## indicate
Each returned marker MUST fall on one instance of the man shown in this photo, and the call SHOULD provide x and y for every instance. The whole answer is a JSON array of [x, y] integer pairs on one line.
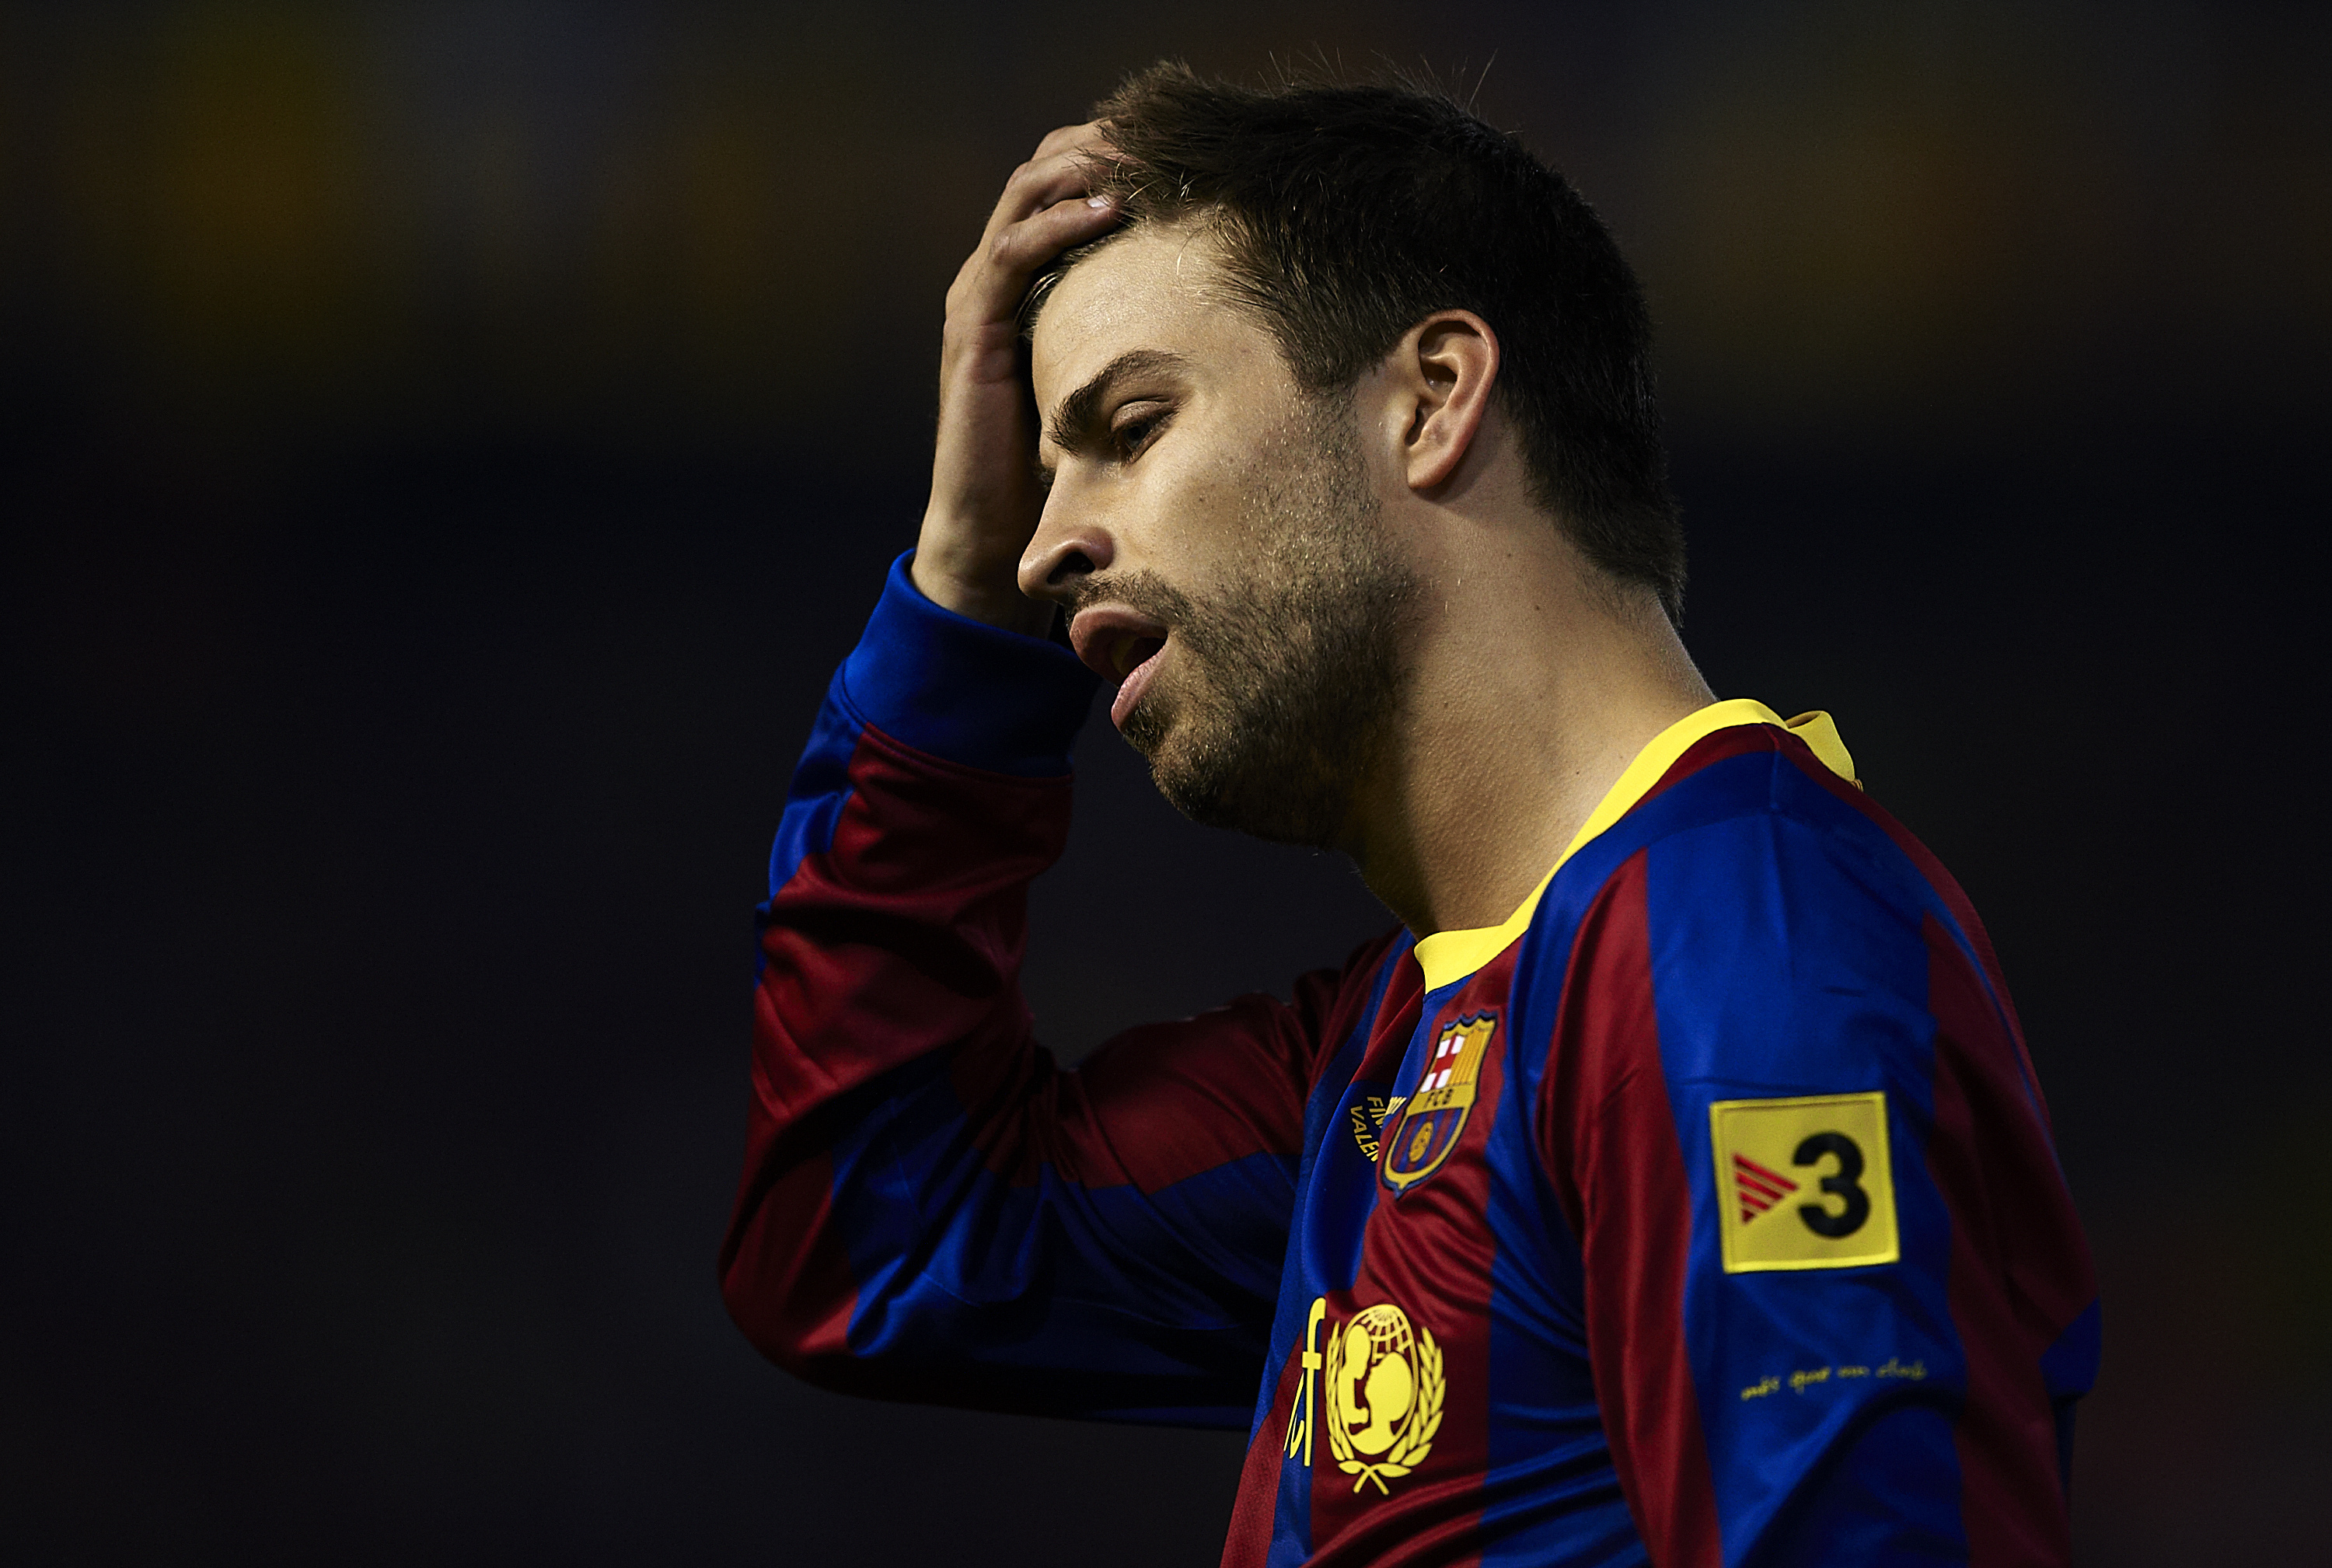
[[1672, 1186]]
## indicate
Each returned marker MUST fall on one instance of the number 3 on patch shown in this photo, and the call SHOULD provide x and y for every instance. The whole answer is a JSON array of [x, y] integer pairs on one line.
[[1804, 1184]]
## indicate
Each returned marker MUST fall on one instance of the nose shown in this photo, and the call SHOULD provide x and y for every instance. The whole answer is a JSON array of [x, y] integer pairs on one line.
[[1063, 552]]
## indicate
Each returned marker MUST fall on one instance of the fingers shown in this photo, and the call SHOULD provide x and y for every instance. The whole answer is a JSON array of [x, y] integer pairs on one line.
[[1019, 251], [1058, 170], [994, 278], [1082, 145], [1044, 180], [1043, 211], [1070, 136]]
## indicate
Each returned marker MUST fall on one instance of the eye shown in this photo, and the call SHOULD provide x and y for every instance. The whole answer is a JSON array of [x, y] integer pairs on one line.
[[1135, 426]]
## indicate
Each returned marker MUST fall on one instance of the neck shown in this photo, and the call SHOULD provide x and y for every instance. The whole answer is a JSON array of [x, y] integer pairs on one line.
[[1531, 691]]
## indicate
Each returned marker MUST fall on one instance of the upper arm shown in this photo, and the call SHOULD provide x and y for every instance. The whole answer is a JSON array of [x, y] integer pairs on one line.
[[1751, 1142], [1106, 1241]]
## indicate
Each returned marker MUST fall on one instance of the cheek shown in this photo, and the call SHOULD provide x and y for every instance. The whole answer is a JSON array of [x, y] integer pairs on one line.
[[1199, 511]]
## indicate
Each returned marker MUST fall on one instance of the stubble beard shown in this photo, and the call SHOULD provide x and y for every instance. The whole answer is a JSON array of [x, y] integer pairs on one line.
[[1286, 687]]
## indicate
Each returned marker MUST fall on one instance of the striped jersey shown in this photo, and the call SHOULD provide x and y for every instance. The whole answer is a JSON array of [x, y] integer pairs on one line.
[[1705, 1212]]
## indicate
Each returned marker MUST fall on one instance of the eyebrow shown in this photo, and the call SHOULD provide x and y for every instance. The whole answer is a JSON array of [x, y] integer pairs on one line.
[[1072, 423]]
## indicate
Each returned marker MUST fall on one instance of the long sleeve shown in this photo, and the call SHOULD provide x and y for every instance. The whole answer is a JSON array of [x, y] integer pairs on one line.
[[930, 1208], [1837, 1302]]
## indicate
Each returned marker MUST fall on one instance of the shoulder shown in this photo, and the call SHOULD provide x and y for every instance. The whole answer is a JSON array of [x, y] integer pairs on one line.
[[1778, 928], [1750, 833]]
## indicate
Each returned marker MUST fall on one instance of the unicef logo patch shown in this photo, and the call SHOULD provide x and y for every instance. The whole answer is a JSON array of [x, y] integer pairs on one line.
[[1383, 1394]]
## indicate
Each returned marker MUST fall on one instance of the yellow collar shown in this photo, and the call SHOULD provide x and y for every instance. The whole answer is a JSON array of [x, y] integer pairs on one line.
[[1448, 956]]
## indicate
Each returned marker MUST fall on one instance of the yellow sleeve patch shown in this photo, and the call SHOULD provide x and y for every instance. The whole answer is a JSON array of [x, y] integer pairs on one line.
[[1804, 1184]]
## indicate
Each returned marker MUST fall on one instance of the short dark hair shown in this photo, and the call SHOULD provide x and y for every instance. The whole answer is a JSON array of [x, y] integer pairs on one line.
[[1349, 212]]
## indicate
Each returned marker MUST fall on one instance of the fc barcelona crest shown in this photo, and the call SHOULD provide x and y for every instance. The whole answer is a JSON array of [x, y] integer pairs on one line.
[[1427, 1123]]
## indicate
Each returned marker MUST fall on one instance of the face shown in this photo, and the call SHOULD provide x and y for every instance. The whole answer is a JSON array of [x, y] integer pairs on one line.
[[1215, 534]]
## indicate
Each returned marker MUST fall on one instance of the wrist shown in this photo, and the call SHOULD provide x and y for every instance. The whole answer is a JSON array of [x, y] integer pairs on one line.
[[985, 696], [976, 590]]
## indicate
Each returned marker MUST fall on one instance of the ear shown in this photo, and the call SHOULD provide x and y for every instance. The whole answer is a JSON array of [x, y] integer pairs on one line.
[[1443, 368]]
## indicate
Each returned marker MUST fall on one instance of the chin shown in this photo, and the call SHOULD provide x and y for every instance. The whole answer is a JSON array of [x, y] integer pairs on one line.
[[1270, 740], [1235, 787]]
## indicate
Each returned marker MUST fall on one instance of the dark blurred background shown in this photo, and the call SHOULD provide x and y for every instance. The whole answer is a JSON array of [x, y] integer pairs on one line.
[[444, 447]]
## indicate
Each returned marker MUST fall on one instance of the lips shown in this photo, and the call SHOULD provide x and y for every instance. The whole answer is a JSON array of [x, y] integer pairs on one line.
[[1121, 646]]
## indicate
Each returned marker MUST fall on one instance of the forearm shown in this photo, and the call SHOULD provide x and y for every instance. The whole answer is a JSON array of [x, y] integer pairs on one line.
[[935, 786]]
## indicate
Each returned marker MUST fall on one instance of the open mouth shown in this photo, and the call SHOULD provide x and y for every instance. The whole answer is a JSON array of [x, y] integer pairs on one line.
[[1121, 646], [1132, 653], [1114, 641], [1138, 658]]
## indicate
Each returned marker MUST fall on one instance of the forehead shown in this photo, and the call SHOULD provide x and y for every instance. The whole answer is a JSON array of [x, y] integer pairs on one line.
[[1158, 287]]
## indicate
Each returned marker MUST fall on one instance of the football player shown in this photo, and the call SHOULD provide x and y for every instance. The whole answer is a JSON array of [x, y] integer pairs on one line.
[[1671, 1185]]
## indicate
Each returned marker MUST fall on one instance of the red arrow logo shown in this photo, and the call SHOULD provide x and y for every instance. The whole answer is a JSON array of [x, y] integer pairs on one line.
[[1759, 1187]]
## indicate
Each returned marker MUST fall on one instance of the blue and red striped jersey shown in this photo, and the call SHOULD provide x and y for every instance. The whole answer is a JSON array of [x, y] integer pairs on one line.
[[1706, 1212]]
